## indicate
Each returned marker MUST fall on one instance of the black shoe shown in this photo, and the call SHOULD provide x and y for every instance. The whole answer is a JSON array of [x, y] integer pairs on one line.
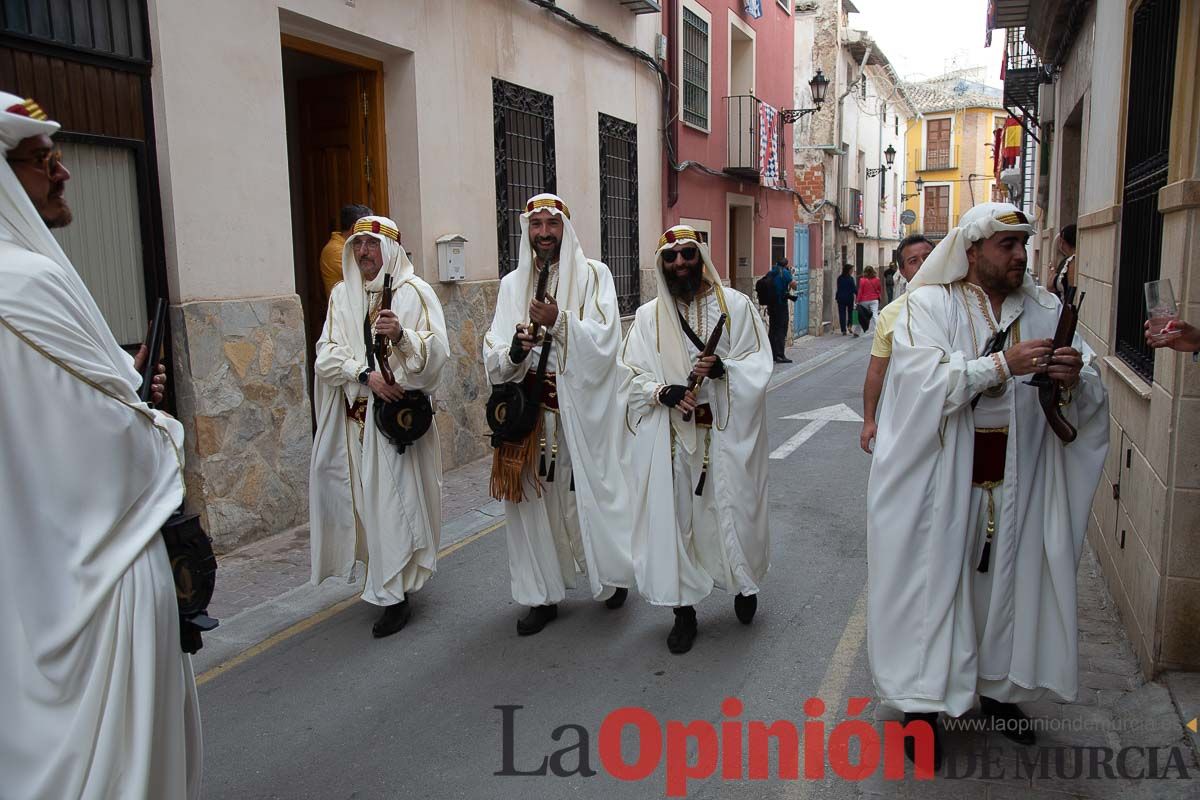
[[778, 359], [683, 632], [744, 605], [536, 619], [392, 619], [1009, 721], [784, 360], [618, 599], [910, 744]]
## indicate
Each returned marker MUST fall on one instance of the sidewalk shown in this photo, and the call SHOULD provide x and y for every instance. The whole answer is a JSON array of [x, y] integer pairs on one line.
[[263, 588]]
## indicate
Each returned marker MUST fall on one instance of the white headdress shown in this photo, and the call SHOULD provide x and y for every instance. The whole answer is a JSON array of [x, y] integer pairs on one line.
[[672, 348], [948, 261], [21, 224], [351, 311]]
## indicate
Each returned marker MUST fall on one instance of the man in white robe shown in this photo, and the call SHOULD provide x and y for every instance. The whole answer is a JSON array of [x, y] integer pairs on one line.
[[700, 503], [97, 698], [976, 514], [574, 518], [367, 500]]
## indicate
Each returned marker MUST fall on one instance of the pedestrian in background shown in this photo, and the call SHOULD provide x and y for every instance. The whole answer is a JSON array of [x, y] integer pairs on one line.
[[1064, 273], [847, 288], [782, 285], [869, 292]]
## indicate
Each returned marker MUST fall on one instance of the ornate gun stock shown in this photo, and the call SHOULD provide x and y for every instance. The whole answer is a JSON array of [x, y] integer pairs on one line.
[[381, 344], [710, 347], [1049, 390]]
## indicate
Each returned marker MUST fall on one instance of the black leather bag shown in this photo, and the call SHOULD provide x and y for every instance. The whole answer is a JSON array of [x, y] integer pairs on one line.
[[406, 420], [512, 412], [194, 568]]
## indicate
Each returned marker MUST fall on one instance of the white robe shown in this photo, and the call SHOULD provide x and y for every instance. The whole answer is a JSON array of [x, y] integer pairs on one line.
[[96, 697], [556, 535], [931, 647], [683, 545], [368, 502]]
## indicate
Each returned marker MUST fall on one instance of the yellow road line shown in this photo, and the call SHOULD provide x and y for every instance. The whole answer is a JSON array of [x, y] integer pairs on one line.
[[833, 686], [320, 616]]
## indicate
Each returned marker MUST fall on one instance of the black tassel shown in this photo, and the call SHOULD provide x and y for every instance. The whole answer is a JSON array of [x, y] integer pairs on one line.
[[700, 485], [986, 557], [572, 481], [542, 465], [550, 473]]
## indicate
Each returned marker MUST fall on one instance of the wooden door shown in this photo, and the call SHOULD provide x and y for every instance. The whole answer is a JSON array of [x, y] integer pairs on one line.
[[340, 145], [937, 210]]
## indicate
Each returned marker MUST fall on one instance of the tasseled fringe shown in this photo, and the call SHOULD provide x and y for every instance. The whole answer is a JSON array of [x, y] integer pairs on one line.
[[991, 530], [704, 468], [572, 481], [541, 456], [509, 463], [553, 460]]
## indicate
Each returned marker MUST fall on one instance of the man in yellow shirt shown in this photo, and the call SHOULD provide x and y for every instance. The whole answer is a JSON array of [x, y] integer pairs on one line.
[[912, 253], [331, 253]]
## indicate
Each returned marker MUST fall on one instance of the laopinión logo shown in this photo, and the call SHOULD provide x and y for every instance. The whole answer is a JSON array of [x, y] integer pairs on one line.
[[853, 750]]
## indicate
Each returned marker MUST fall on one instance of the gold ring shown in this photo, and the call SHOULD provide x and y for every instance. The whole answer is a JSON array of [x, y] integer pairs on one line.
[[1037, 361]]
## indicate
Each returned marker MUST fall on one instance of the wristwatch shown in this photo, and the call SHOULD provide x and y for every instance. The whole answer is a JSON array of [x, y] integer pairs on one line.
[[363, 376]]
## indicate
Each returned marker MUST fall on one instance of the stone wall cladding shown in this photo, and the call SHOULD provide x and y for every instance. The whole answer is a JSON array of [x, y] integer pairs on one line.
[[241, 393], [463, 393]]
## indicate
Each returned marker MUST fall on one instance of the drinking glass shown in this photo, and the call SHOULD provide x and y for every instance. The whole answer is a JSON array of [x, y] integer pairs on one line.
[[1160, 307]]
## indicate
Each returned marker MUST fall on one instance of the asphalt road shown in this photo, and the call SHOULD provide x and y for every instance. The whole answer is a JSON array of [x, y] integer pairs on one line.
[[332, 713]]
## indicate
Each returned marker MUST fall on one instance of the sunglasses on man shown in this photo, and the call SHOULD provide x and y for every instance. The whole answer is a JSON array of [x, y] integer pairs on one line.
[[688, 254]]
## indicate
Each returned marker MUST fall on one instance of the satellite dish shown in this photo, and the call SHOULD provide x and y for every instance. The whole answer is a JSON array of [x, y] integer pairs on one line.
[[908, 217]]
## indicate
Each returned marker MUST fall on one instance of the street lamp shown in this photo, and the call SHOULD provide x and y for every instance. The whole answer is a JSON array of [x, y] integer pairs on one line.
[[817, 86], [889, 158], [920, 185]]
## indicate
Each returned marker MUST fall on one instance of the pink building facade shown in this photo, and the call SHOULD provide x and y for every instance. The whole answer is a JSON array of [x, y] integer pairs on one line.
[[732, 74]]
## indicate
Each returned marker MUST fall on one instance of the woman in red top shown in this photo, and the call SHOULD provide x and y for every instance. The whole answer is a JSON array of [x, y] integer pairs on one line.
[[869, 292]]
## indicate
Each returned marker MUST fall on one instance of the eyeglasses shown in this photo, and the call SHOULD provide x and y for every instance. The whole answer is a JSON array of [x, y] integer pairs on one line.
[[688, 254], [365, 243], [50, 161]]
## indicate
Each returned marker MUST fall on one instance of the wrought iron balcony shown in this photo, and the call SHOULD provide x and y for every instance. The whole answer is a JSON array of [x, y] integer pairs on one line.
[[1023, 73], [743, 154], [642, 6]]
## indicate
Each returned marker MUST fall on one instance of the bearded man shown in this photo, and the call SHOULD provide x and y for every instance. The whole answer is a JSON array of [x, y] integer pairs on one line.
[[368, 500], [701, 483], [98, 698], [571, 514], [976, 510]]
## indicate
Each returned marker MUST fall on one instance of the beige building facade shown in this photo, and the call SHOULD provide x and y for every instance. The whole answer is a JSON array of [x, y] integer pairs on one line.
[[468, 107], [1120, 125]]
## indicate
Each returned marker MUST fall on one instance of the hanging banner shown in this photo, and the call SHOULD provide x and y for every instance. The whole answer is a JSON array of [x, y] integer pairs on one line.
[[754, 8], [768, 145]]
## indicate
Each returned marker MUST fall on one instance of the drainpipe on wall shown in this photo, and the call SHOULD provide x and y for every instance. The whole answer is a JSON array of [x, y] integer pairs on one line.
[[672, 120]]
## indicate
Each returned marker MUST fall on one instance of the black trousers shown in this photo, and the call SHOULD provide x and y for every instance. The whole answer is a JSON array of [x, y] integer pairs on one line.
[[777, 322], [844, 314]]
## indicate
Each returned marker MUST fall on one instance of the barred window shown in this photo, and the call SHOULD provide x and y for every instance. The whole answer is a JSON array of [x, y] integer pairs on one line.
[[695, 69], [523, 136], [619, 208]]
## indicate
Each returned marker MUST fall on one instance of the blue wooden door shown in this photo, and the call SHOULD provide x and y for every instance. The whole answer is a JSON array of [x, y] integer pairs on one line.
[[800, 272]]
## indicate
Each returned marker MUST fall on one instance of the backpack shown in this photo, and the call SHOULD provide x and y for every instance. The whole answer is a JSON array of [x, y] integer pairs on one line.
[[765, 290]]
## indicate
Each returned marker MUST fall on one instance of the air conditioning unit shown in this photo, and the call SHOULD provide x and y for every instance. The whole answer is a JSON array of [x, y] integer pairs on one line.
[[850, 204]]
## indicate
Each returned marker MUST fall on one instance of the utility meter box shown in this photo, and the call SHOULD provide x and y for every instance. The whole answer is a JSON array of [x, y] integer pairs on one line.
[[452, 258]]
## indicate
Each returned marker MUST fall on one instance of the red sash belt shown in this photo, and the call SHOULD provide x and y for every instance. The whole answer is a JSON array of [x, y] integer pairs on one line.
[[549, 389], [704, 416], [991, 444], [357, 410]]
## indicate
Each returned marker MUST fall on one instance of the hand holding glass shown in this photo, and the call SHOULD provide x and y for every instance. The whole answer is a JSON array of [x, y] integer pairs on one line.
[[1160, 309]]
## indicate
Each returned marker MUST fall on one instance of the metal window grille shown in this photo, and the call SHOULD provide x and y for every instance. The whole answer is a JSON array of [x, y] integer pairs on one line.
[[115, 28], [1147, 141], [523, 135], [619, 209], [695, 69]]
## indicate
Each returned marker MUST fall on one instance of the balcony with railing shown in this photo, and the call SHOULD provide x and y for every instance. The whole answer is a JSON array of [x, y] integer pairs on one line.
[[937, 157], [1022, 73], [745, 139]]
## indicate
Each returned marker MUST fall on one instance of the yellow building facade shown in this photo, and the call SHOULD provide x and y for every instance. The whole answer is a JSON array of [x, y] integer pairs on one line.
[[949, 148]]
